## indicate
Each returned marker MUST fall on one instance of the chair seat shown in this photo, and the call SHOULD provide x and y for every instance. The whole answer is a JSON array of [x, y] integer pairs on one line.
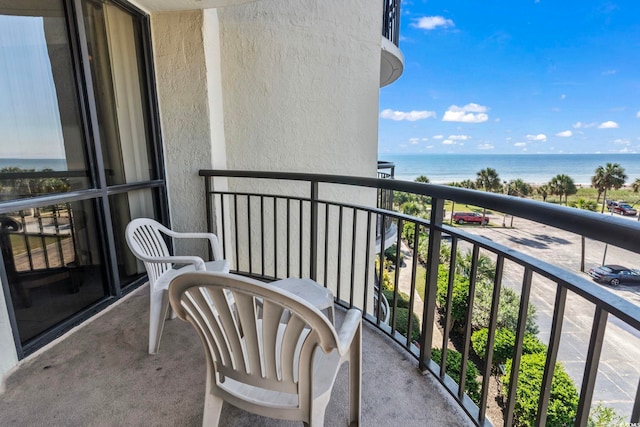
[[220, 266], [307, 289]]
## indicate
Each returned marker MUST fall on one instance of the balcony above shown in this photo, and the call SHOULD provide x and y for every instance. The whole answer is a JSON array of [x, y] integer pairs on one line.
[[391, 58], [391, 63]]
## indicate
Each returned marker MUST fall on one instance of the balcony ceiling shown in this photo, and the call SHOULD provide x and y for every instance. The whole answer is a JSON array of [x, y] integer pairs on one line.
[[166, 5]]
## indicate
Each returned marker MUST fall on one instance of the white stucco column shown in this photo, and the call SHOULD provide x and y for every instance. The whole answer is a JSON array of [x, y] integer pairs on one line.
[[301, 82]]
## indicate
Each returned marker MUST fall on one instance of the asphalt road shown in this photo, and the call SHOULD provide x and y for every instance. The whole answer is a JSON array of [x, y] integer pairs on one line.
[[618, 373]]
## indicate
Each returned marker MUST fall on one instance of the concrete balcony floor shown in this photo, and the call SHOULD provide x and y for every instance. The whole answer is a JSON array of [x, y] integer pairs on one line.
[[100, 374]]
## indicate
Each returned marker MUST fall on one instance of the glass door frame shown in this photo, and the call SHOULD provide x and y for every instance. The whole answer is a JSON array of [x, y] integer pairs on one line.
[[100, 191]]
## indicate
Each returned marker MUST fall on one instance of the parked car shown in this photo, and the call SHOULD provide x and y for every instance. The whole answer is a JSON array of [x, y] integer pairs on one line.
[[615, 274], [622, 208], [472, 217]]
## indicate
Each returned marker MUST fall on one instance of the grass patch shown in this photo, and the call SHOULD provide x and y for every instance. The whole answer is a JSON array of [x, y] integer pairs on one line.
[[19, 245]]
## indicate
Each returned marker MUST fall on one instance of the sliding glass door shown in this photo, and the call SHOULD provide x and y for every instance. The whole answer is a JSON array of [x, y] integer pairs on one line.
[[79, 157]]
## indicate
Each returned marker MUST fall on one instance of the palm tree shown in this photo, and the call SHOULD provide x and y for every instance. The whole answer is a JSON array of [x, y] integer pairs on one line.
[[563, 185], [543, 191], [422, 178], [488, 180], [518, 187], [635, 185], [610, 176]]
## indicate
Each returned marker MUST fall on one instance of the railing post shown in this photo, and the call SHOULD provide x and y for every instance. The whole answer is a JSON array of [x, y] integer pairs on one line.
[[313, 267], [208, 199], [433, 256]]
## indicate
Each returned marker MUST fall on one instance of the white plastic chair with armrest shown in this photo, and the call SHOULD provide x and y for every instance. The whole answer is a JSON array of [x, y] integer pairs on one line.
[[144, 237], [268, 351]]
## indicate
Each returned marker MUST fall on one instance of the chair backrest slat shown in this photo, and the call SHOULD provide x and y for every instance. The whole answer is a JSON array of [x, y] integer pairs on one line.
[[246, 307], [272, 314], [290, 341]]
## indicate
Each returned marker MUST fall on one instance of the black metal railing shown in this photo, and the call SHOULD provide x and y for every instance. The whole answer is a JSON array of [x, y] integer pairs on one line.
[[391, 20], [303, 227]]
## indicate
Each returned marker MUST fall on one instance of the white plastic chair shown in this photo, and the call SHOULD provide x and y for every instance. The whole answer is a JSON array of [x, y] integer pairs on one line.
[[144, 237], [268, 351]]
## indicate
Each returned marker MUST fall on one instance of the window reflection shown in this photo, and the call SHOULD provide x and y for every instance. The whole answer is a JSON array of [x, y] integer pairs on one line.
[[53, 263], [40, 127]]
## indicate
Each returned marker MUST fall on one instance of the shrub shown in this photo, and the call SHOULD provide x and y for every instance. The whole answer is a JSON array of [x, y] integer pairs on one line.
[[402, 299], [601, 416], [508, 306], [563, 399], [458, 297], [390, 255], [402, 323], [504, 342], [453, 369]]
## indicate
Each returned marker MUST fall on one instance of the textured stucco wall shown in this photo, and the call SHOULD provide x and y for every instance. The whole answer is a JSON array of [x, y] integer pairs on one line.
[[181, 74], [301, 84]]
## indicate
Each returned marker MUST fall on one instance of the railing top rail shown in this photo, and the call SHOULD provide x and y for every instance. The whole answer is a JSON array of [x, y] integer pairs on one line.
[[609, 229]]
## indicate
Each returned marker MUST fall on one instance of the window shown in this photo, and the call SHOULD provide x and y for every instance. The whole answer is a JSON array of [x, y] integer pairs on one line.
[[78, 155]]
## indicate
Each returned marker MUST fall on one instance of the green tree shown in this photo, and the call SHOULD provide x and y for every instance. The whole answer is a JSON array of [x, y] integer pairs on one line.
[[543, 191], [423, 179], [635, 185], [518, 187], [562, 186], [607, 177], [488, 180]]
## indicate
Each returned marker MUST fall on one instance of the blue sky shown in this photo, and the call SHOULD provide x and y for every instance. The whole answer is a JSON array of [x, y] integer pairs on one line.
[[515, 77]]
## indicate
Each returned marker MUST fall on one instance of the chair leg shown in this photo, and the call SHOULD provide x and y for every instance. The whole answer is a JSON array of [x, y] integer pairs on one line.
[[158, 307], [212, 410], [355, 378]]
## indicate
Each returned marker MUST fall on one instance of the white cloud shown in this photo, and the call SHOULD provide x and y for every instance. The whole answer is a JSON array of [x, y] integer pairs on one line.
[[438, 136], [609, 72], [432, 22], [485, 147], [580, 125], [448, 142], [459, 137], [470, 113], [622, 141], [411, 116], [563, 96], [414, 141], [608, 125], [565, 134], [520, 144], [539, 137], [638, 114]]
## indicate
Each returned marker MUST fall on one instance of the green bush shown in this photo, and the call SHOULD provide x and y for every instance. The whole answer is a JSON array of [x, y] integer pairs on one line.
[[504, 342], [402, 323], [453, 369], [458, 297], [602, 416], [563, 399], [508, 306], [402, 299]]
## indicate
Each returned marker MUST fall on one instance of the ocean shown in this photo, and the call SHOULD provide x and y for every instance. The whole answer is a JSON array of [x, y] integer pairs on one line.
[[531, 168], [35, 164]]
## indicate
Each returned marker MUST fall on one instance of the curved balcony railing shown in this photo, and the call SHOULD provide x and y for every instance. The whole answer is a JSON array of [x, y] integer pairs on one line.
[[300, 225], [391, 20]]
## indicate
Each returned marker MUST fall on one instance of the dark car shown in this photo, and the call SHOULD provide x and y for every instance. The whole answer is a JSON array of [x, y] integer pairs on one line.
[[615, 275], [622, 208], [472, 217]]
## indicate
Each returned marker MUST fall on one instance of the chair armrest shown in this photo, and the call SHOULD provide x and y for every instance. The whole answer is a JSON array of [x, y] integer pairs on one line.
[[196, 261], [352, 322], [213, 240]]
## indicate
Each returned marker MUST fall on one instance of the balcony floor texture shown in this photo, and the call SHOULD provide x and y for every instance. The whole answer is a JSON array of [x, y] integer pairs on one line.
[[101, 375]]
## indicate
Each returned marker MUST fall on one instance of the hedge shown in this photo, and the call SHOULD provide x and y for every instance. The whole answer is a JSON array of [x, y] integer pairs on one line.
[[454, 361], [563, 399], [504, 342]]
